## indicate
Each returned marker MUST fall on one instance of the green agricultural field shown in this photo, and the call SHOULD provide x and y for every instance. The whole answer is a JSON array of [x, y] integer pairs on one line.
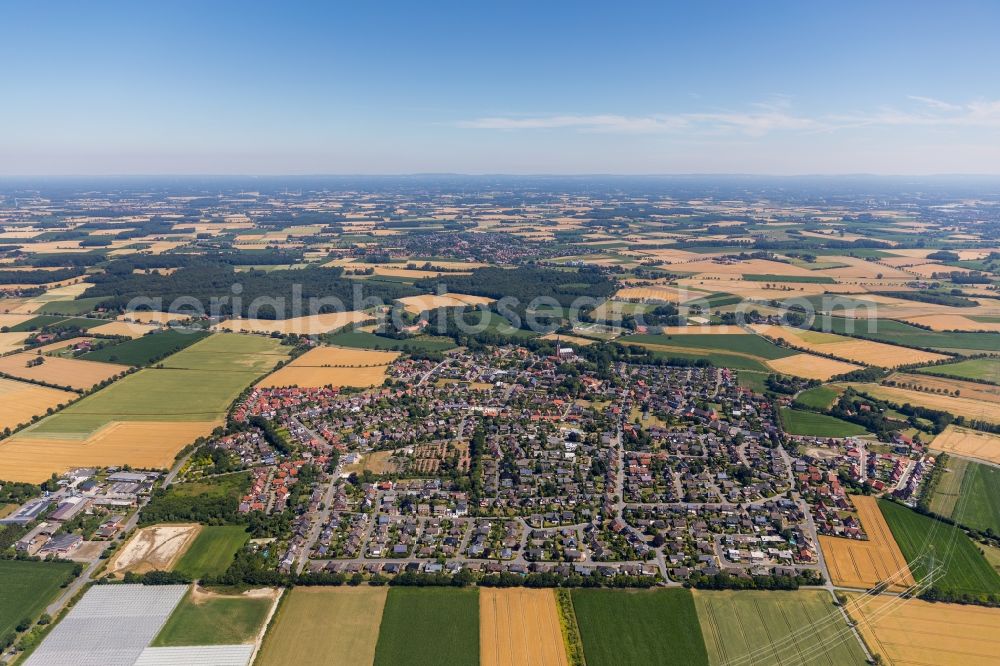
[[196, 384], [819, 397], [818, 279], [966, 571], [214, 620], [775, 628], [37, 323], [364, 340], [969, 494], [717, 300], [888, 330], [752, 345], [949, 487], [755, 381], [212, 551], [78, 307], [27, 588], [141, 351], [300, 632], [639, 627], [984, 369], [717, 359], [484, 321], [230, 352], [799, 422], [430, 626]]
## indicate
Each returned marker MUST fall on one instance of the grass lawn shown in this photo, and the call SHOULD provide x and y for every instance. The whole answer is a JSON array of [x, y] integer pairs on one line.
[[976, 503], [775, 628], [620, 627], [301, 630], [429, 627], [212, 551], [215, 620], [985, 369], [798, 422], [219, 486], [141, 351], [966, 570], [365, 340], [819, 397], [27, 588], [755, 381]]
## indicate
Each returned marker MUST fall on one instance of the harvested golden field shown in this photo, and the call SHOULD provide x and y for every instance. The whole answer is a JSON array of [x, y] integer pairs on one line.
[[970, 443], [20, 401], [915, 632], [760, 290], [149, 317], [344, 356], [952, 322], [334, 366], [928, 270], [7, 319], [968, 407], [668, 256], [652, 293], [519, 626], [858, 268], [973, 390], [143, 444], [156, 548], [418, 304], [70, 372], [325, 625], [864, 564], [569, 339], [853, 349], [306, 377], [748, 267], [126, 329], [392, 270], [810, 367], [11, 341], [308, 325]]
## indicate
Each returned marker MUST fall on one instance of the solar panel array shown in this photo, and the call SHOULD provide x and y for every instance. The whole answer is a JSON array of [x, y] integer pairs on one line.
[[111, 625]]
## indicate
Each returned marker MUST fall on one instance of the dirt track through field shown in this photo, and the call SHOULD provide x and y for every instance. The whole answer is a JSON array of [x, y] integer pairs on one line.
[[519, 627]]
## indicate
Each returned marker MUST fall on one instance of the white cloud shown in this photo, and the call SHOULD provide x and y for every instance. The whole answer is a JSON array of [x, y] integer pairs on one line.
[[763, 118]]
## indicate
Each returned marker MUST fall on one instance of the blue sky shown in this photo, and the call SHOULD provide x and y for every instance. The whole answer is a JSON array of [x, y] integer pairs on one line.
[[711, 86]]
